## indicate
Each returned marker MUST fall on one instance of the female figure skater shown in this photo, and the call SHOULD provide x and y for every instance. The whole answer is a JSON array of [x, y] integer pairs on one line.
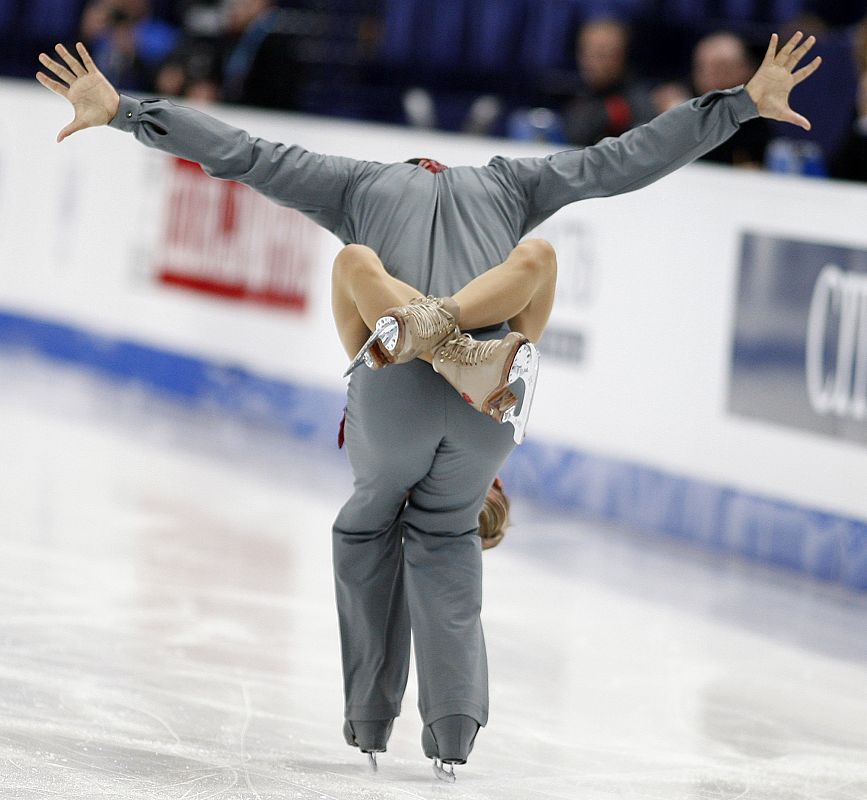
[[415, 564], [520, 292]]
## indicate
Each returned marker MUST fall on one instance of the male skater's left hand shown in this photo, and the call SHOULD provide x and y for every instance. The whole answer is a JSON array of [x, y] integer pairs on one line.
[[775, 78], [93, 98]]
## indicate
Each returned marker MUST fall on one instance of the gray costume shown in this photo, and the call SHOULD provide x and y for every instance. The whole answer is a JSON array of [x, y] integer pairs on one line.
[[406, 553]]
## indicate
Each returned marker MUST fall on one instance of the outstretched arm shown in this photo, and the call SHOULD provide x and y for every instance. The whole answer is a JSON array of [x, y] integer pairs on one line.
[[288, 174], [673, 139]]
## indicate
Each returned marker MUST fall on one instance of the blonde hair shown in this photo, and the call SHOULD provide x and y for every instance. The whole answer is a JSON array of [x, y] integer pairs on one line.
[[494, 516]]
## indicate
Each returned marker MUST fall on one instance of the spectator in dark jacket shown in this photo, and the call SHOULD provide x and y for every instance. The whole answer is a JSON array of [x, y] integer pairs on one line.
[[260, 67], [609, 101], [850, 162], [719, 60], [129, 44]]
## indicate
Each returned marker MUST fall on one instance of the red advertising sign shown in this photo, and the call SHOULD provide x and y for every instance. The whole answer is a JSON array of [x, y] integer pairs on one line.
[[224, 239]]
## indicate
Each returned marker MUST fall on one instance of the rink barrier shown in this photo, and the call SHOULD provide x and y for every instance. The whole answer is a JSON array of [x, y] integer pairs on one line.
[[830, 547], [303, 412]]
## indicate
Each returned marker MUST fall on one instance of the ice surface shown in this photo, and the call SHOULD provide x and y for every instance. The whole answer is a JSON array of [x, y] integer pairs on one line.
[[167, 630]]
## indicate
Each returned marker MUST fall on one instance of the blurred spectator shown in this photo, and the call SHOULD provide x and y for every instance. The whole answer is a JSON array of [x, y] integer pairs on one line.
[[859, 46], [820, 15], [721, 61], [260, 67], [850, 163], [192, 71], [609, 101], [127, 42]]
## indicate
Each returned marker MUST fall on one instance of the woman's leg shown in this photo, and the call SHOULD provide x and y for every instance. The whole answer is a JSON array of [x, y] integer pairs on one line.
[[361, 290], [520, 290]]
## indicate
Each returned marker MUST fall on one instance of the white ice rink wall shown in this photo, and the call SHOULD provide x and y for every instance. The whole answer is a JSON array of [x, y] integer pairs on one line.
[[704, 375]]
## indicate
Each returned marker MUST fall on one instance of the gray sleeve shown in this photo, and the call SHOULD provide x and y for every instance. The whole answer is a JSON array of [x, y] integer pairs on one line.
[[287, 174], [633, 160]]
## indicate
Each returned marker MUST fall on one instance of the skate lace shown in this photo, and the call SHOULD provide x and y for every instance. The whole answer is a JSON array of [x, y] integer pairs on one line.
[[428, 316], [467, 351]]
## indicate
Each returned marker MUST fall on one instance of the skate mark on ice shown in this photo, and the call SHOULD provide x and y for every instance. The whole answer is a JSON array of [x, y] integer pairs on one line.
[[194, 780], [316, 793], [383, 781], [155, 717], [245, 756], [15, 764]]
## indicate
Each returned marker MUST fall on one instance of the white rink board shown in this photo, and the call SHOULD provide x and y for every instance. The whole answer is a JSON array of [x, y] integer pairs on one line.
[[648, 278]]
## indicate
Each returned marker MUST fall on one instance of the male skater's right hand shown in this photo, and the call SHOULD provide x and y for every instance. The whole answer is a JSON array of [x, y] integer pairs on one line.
[[93, 98]]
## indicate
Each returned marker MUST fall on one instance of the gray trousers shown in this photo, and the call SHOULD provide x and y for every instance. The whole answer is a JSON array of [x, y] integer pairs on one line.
[[407, 556]]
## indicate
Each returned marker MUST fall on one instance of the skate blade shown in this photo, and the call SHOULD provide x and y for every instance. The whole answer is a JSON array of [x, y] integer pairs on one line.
[[385, 333], [525, 367], [443, 774], [371, 762], [499, 403]]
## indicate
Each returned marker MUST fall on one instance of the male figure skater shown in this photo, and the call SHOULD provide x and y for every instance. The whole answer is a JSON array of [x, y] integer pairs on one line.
[[415, 564]]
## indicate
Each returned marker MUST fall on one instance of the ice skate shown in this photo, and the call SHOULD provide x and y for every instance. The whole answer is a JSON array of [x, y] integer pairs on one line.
[[405, 332], [369, 736], [483, 372], [449, 741]]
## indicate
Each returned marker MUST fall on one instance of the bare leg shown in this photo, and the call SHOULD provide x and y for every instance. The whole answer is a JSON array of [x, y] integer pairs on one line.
[[361, 290], [520, 290]]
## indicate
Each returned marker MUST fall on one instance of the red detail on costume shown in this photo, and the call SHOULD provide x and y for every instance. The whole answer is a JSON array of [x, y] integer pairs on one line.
[[341, 433], [432, 166], [619, 114], [498, 484], [467, 398]]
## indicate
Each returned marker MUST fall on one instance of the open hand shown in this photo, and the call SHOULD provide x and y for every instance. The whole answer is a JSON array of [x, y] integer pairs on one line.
[[93, 98], [776, 77]]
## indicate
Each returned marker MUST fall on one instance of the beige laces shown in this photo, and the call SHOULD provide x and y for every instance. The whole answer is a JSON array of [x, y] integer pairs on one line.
[[429, 318], [467, 351]]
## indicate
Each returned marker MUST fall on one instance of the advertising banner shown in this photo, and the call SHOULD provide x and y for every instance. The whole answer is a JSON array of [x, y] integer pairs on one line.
[[800, 346], [574, 240], [224, 239]]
